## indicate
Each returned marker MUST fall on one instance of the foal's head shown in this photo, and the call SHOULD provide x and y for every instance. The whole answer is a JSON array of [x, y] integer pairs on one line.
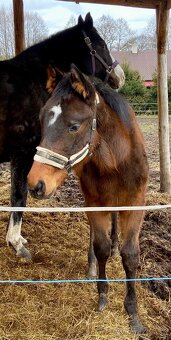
[[67, 129]]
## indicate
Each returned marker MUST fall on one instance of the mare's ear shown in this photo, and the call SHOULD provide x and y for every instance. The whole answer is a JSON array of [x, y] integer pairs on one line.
[[89, 20], [80, 20], [78, 82], [54, 75]]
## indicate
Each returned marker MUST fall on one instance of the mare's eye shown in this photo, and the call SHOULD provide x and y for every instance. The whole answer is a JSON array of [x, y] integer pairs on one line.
[[74, 128]]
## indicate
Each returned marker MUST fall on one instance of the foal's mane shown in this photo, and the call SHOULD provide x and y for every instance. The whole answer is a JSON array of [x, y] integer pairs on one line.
[[115, 100]]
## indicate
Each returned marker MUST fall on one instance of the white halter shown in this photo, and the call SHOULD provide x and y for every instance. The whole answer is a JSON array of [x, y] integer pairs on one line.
[[49, 157]]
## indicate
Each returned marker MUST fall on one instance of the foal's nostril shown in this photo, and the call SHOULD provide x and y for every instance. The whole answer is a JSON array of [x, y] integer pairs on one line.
[[40, 188]]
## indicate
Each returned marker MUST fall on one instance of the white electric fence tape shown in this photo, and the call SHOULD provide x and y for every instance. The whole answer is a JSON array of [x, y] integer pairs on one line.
[[84, 209]]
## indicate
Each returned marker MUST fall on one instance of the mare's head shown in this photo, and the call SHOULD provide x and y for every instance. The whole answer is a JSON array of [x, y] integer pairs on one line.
[[85, 48], [68, 121]]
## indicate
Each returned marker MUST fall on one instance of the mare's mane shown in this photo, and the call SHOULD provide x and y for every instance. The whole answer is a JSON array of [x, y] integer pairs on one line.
[[43, 47], [114, 99]]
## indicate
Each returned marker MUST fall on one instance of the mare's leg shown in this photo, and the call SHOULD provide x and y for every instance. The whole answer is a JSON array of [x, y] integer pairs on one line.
[[130, 223], [19, 170], [92, 261], [100, 223]]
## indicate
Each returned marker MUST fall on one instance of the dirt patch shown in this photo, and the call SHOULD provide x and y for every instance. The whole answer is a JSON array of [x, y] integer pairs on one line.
[[156, 252]]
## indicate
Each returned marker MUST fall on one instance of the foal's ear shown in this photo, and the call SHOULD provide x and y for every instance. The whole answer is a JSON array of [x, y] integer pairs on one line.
[[80, 20], [79, 82], [89, 20], [54, 75]]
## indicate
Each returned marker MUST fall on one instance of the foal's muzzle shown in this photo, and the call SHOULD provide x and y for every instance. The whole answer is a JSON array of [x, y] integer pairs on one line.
[[39, 190]]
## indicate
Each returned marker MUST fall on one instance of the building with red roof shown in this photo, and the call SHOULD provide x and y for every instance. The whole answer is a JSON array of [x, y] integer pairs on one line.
[[145, 62]]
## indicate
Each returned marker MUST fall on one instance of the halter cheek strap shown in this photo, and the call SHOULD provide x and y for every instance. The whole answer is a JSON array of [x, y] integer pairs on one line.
[[94, 54]]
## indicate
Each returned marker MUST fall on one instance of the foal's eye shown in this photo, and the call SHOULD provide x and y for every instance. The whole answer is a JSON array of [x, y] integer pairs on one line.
[[74, 128]]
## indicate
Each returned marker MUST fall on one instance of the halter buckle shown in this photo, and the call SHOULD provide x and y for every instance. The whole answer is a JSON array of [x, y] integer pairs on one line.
[[93, 52], [94, 124], [109, 69], [68, 166], [87, 40]]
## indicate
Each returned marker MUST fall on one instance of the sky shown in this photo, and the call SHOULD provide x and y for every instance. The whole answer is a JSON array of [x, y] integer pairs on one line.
[[57, 13]]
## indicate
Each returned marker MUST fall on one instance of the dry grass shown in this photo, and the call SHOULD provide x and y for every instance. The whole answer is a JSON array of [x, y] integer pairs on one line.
[[67, 311]]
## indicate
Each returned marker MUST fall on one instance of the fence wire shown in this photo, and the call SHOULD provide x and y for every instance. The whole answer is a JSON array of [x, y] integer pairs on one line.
[[83, 209]]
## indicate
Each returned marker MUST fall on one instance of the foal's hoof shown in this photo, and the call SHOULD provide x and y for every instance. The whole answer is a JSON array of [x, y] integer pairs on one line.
[[102, 302], [24, 254], [137, 326]]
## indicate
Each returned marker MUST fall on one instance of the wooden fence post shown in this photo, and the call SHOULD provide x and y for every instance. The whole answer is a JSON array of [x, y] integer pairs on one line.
[[162, 15], [18, 25]]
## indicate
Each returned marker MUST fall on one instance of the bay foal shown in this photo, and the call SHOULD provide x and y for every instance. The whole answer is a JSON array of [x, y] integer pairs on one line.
[[93, 130]]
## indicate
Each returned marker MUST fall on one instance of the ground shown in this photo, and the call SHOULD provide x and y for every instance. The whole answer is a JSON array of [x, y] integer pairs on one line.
[[58, 243]]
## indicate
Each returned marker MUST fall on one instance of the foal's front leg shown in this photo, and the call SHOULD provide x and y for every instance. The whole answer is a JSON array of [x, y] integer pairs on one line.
[[19, 171], [101, 226], [92, 261], [130, 223]]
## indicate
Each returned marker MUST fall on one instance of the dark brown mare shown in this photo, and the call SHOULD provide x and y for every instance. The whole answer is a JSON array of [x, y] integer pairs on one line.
[[23, 91], [93, 130]]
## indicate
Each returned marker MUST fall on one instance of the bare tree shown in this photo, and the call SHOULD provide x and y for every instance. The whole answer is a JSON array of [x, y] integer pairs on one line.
[[35, 31], [147, 40], [116, 33], [71, 22], [141, 41], [106, 27], [150, 33], [6, 33], [124, 35], [35, 28]]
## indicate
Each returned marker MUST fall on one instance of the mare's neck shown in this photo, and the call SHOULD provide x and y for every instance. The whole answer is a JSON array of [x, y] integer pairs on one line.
[[32, 63]]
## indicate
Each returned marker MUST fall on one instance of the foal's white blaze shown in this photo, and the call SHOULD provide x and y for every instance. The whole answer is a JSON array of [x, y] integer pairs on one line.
[[56, 112], [14, 234], [119, 73]]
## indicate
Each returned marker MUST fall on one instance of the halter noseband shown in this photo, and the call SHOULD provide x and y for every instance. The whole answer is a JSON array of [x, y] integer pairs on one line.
[[94, 55], [52, 158], [49, 157]]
